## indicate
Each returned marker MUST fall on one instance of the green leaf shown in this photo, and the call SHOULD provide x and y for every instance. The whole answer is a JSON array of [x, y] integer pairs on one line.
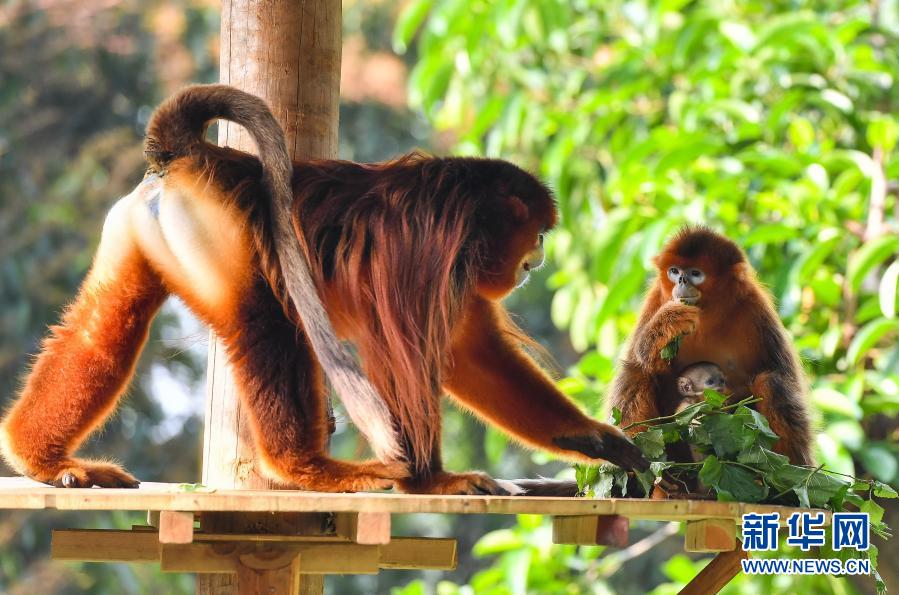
[[819, 486], [763, 458], [882, 490], [408, 22], [883, 133], [646, 480], [713, 398], [710, 473], [889, 289], [867, 257], [603, 486], [740, 485], [669, 351], [727, 434], [651, 442], [874, 510], [616, 416], [868, 336], [685, 416], [880, 461]]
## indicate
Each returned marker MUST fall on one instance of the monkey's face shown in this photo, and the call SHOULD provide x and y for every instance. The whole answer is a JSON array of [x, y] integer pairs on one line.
[[532, 261], [699, 377], [685, 282]]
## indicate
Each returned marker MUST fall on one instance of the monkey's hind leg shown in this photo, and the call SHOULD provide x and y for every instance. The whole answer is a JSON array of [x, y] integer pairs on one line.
[[781, 404], [636, 393], [282, 387], [82, 369]]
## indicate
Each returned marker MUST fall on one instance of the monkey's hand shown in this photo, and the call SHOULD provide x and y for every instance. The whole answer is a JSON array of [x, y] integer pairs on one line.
[[672, 320], [606, 442]]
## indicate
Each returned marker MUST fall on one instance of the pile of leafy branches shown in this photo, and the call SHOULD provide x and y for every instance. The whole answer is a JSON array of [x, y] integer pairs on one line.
[[734, 461]]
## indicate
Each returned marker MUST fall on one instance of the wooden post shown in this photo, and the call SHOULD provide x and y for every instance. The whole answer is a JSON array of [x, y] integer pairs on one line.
[[287, 52]]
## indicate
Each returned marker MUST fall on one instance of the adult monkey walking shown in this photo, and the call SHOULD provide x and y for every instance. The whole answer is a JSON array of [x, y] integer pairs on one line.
[[411, 257]]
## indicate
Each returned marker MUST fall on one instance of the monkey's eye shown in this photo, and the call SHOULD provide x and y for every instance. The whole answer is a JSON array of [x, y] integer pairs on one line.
[[696, 276], [540, 238], [673, 273]]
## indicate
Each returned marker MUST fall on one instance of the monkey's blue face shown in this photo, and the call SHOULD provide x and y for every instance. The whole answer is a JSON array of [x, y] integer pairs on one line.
[[686, 282]]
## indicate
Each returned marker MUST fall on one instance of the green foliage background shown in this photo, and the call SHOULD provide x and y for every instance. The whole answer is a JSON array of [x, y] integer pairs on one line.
[[772, 121]]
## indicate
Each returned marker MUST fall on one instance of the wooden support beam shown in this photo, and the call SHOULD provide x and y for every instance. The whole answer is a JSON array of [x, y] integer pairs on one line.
[[279, 575], [591, 530], [720, 571], [100, 545], [317, 558], [711, 535], [225, 557], [176, 527], [419, 553], [369, 528]]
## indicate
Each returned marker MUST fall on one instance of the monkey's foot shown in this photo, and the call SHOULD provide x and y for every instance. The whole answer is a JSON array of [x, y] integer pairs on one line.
[[81, 473], [329, 475], [465, 484], [606, 442]]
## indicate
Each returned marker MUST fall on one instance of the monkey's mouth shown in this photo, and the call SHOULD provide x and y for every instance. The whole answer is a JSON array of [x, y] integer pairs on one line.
[[690, 301]]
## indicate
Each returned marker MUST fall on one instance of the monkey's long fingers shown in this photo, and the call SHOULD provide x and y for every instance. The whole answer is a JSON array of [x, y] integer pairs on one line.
[[611, 445]]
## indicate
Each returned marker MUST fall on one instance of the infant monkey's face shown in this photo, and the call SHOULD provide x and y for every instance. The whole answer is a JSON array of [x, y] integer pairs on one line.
[[699, 377]]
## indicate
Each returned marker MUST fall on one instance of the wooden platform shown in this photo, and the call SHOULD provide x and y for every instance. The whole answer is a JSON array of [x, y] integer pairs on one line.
[[284, 542], [22, 493]]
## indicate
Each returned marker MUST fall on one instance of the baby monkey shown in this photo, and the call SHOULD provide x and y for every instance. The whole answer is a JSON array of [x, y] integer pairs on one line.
[[695, 378]]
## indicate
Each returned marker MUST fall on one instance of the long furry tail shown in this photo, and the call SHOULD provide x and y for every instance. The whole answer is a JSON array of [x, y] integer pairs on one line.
[[177, 129], [557, 488]]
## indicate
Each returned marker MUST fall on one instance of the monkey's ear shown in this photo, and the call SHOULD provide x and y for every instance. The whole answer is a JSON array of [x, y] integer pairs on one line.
[[685, 386], [517, 209], [743, 272]]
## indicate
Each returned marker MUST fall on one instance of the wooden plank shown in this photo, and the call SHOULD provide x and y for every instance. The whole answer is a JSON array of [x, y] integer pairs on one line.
[[100, 545], [368, 528], [26, 494], [419, 553], [591, 530], [107, 545], [317, 558], [710, 535], [176, 527], [720, 571]]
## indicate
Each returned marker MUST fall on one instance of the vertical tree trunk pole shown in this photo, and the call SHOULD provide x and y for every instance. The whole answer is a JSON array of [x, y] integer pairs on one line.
[[288, 53]]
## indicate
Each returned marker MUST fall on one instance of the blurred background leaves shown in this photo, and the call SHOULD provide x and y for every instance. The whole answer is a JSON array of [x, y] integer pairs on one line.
[[774, 122]]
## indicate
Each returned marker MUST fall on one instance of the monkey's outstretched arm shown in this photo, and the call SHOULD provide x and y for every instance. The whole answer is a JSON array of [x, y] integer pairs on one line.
[[490, 375]]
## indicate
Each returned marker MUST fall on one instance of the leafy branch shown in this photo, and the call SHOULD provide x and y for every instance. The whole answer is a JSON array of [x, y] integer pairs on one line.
[[732, 445]]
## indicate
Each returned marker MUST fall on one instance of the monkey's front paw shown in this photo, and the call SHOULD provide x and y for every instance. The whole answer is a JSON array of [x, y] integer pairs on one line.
[[679, 319], [606, 442], [86, 474], [470, 484]]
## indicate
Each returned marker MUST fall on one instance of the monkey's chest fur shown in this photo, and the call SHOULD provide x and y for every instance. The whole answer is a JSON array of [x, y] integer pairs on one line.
[[723, 345]]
